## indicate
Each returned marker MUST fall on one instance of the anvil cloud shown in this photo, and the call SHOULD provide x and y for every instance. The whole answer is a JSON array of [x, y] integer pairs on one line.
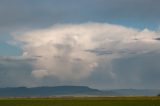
[[74, 51]]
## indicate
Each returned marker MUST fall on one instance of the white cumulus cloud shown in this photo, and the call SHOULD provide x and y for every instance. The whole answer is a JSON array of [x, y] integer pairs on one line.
[[73, 51]]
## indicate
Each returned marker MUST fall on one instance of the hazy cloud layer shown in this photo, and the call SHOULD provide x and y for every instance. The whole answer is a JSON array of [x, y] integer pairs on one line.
[[22, 14], [16, 71], [139, 71], [74, 51]]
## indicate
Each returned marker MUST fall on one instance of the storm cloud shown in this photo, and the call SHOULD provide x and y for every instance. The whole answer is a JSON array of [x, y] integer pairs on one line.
[[97, 43], [74, 51]]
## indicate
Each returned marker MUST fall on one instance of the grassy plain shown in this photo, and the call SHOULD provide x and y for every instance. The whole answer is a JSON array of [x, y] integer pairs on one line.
[[82, 101]]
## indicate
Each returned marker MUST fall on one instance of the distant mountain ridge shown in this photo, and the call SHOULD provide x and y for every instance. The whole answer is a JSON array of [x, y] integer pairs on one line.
[[137, 92], [48, 91], [72, 91]]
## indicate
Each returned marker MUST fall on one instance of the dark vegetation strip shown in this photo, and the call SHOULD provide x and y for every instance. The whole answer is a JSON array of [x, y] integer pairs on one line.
[[81, 101]]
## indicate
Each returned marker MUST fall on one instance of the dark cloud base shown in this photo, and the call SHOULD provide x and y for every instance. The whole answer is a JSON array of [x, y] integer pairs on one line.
[[131, 72]]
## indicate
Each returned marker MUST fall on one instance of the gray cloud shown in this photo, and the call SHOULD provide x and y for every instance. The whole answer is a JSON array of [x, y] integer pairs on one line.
[[141, 71], [15, 71], [157, 38], [99, 51], [26, 14]]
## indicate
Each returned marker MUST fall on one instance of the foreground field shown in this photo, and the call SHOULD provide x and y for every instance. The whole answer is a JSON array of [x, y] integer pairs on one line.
[[82, 101]]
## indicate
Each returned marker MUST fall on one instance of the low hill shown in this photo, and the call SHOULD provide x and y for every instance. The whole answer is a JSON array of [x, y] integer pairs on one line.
[[72, 91], [50, 91]]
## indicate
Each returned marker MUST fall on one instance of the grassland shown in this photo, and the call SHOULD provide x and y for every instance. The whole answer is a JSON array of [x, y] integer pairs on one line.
[[82, 101]]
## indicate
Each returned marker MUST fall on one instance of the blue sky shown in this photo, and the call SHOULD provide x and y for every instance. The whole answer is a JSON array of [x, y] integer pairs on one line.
[[115, 20]]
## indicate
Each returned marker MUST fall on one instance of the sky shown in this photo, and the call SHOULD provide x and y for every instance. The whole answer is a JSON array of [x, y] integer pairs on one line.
[[104, 44]]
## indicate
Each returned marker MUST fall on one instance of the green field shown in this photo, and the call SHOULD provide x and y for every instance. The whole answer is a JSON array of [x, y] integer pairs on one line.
[[82, 101]]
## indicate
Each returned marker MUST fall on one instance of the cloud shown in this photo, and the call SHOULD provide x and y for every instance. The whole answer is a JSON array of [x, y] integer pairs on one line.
[[16, 71], [74, 51], [138, 71], [99, 51], [21, 14], [40, 73], [157, 38]]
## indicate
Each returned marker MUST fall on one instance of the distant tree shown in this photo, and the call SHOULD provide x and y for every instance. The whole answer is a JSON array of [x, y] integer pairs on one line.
[[158, 95]]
